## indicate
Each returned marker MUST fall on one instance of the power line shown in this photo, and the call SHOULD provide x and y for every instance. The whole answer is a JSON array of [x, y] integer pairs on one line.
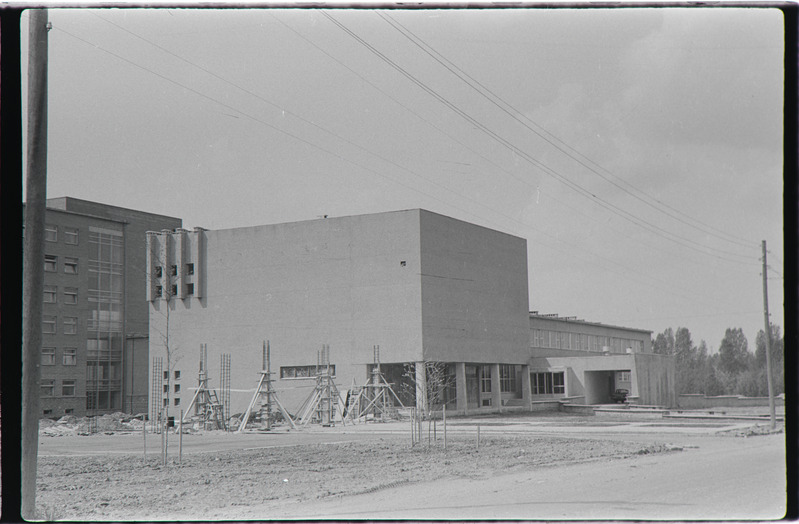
[[551, 139], [549, 171]]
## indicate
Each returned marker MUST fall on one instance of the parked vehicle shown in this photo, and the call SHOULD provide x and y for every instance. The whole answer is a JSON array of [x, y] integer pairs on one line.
[[620, 395]]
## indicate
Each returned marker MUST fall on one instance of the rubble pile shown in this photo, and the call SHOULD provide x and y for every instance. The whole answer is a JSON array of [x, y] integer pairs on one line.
[[105, 424]]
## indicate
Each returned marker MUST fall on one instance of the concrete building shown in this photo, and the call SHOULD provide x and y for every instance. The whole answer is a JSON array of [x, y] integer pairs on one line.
[[421, 286], [95, 316], [586, 361]]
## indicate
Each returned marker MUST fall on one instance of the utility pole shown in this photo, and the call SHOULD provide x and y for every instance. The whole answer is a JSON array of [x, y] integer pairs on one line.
[[33, 258], [772, 416]]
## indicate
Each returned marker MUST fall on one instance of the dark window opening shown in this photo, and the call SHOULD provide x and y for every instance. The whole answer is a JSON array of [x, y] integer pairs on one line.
[[189, 289], [158, 271], [189, 269], [174, 270]]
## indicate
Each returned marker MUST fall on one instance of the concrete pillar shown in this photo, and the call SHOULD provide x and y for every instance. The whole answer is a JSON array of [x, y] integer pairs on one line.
[[526, 386], [496, 391], [421, 387], [461, 396]]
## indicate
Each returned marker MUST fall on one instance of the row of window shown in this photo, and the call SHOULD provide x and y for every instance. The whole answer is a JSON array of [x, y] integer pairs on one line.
[[69, 356], [507, 378], [545, 338], [304, 371], [51, 295], [50, 325], [70, 234], [49, 387], [548, 383], [173, 270], [159, 290], [70, 264]]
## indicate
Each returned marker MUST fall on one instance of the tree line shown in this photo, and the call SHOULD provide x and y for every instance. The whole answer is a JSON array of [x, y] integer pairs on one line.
[[732, 370]]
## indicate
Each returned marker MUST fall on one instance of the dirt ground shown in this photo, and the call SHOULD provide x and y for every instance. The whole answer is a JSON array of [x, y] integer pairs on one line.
[[123, 488], [221, 479]]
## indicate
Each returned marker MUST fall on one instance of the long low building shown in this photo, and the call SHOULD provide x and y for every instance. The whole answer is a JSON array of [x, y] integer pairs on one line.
[[413, 289]]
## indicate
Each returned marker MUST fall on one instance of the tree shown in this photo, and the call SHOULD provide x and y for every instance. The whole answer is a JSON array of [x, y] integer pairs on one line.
[[664, 343], [439, 380], [734, 352], [777, 358]]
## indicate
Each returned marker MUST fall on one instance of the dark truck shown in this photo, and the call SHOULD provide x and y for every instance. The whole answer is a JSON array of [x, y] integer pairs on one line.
[[620, 395]]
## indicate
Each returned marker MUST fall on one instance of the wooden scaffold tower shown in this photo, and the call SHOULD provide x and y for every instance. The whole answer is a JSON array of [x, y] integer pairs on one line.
[[324, 401], [375, 398], [209, 412], [267, 396]]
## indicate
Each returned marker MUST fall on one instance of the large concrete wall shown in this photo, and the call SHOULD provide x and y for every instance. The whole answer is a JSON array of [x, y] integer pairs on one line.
[[350, 282], [656, 379], [474, 293]]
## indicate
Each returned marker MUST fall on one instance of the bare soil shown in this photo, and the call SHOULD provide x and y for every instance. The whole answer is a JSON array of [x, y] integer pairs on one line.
[[205, 484]]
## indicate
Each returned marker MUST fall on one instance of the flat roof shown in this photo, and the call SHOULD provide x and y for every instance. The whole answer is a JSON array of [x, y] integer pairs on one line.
[[575, 320]]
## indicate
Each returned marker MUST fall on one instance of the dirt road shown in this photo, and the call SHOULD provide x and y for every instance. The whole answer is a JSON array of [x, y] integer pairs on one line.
[[722, 479]]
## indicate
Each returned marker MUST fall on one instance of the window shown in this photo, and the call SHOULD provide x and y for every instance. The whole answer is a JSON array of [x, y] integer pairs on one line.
[[165, 402], [158, 272], [174, 289], [47, 412], [67, 388], [69, 411], [189, 289], [548, 383], [48, 356], [50, 263], [70, 295], [159, 291], [70, 356], [177, 374], [166, 388], [623, 376], [402, 263], [71, 236], [50, 294], [189, 269], [177, 388], [70, 325], [71, 265], [51, 233], [485, 379], [304, 371], [177, 401], [507, 378], [48, 387], [558, 384], [166, 375], [173, 270], [49, 324]]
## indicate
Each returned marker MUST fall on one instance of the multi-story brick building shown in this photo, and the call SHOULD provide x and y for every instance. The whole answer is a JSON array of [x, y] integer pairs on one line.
[[421, 286], [95, 316]]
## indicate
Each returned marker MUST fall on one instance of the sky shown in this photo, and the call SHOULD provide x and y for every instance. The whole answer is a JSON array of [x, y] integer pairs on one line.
[[638, 151]]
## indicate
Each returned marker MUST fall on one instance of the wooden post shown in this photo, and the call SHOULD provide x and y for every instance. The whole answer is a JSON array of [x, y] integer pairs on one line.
[[419, 424], [161, 428], [180, 438], [444, 416], [33, 261], [767, 333], [413, 420]]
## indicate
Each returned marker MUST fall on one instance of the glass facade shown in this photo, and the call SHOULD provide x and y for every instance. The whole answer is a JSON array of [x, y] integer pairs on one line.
[[104, 325]]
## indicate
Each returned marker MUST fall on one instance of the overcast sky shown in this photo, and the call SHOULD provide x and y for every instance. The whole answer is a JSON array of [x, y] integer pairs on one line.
[[639, 151]]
